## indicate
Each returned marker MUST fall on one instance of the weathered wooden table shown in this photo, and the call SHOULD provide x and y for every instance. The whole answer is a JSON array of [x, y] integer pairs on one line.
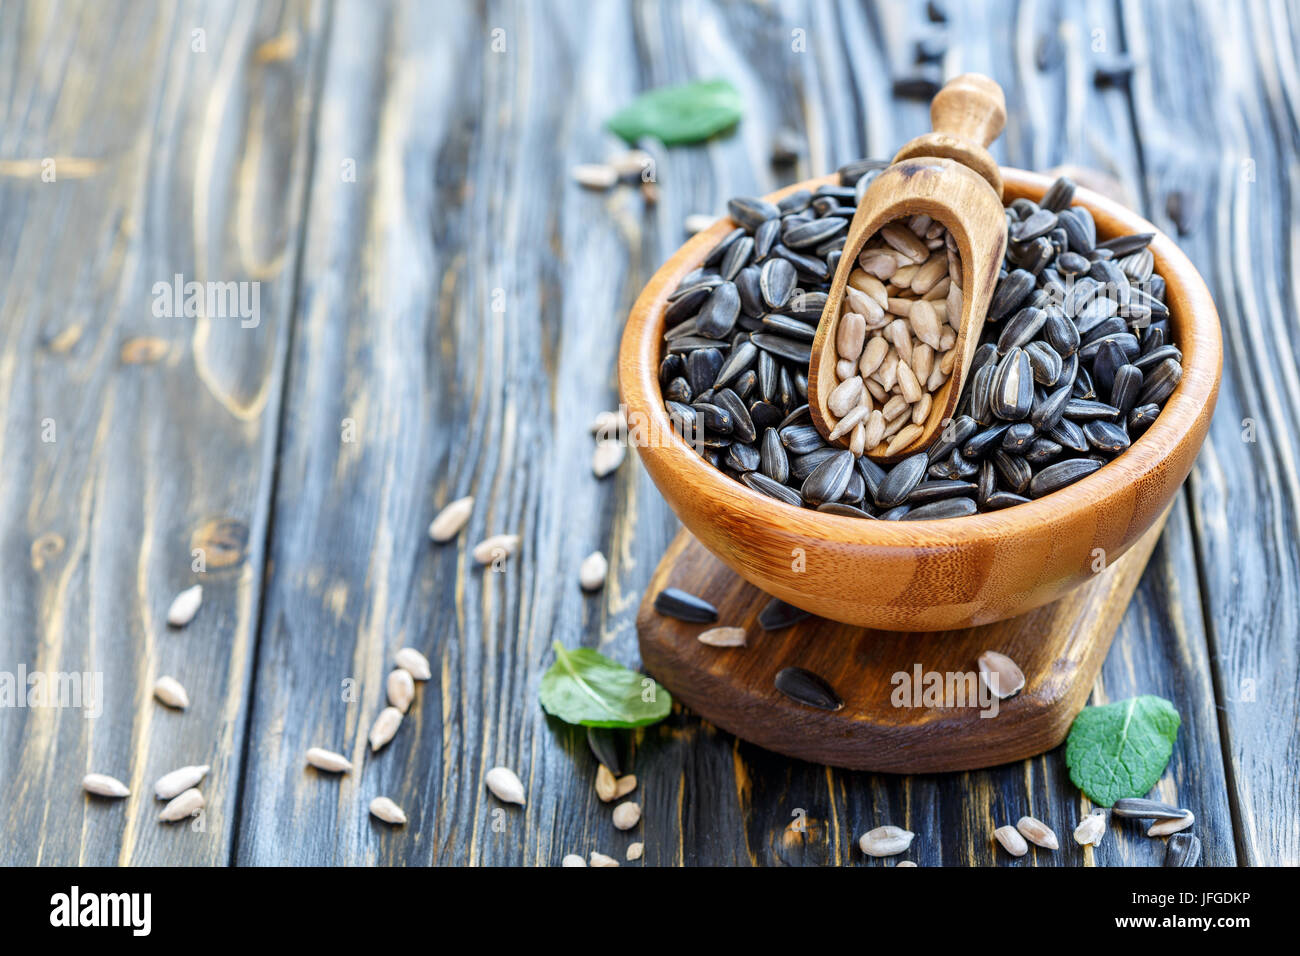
[[437, 315]]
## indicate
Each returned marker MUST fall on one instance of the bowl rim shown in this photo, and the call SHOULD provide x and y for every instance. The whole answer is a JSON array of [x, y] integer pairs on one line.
[[1193, 319]]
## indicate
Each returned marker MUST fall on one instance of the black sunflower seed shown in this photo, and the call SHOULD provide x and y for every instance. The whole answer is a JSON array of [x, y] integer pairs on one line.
[[1106, 436], [806, 234], [1041, 451], [764, 415], [691, 343], [746, 384], [1058, 195], [751, 296], [801, 439], [788, 327], [1124, 391], [947, 508], [801, 466], [1125, 340], [981, 388], [828, 480], [1038, 223], [1184, 849], [1158, 354], [806, 306], [777, 614], [741, 359], [1139, 808], [772, 457], [810, 265], [872, 475], [805, 687], [737, 257], [751, 213], [1011, 396], [986, 483], [1045, 362], [761, 483], [718, 316], [1108, 361], [797, 201], [673, 366], [1014, 471], [939, 490], [900, 481], [981, 443], [768, 374], [952, 436], [1057, 476], [713, 418], [702, 368], [1049, 409], [742, 457], [765, 237], [742, 426], [850, 173], [856, 490], [1161, 382], [1127, 245], [1010, 294], [1016, 439], [796, 416], [1021, 328], [1080, 230], [1069, 435], [678, 390], [776, 281], [1003, 499], [1140, 419], [782, 347], [684, 606], [720, 250], [611, 747], [843, 510], [1086, 410], [1060, 332]]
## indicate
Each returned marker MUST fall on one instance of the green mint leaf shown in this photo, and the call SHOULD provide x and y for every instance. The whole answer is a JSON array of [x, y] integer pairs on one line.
[[1120, 750], [689, 113], [587, 688]]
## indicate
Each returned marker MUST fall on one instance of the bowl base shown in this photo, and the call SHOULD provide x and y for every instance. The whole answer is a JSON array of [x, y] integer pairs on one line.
[[913, 703]]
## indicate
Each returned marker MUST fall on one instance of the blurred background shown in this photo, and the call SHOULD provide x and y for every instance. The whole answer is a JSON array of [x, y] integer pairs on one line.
[[426, 305]]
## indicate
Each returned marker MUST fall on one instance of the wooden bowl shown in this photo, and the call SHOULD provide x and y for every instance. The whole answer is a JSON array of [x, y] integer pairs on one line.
[[931, 575]]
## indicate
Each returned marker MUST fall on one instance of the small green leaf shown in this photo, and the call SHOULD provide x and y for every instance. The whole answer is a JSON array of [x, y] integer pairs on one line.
[[689, 113], [1120, 750], [587, 688]]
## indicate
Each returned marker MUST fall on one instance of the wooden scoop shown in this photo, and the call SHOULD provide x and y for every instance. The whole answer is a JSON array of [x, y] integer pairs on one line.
[[949, 176]]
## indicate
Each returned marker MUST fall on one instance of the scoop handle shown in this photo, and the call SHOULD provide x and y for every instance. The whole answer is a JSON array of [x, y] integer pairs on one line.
[[970, 107], [967, 114]]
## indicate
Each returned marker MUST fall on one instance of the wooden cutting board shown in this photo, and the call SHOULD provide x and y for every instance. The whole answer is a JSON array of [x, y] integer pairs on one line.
[[1060, 648]]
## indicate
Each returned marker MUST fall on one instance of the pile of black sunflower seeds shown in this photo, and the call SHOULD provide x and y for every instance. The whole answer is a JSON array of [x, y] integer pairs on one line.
[[1075, 362]]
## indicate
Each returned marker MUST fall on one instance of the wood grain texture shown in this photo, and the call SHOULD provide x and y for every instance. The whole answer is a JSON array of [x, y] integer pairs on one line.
[[1218, 146], [461, 189], [130, 438], [1059, 647]]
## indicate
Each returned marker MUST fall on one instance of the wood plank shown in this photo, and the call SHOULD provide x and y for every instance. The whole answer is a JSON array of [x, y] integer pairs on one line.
[[1216, 117], [129, 437]]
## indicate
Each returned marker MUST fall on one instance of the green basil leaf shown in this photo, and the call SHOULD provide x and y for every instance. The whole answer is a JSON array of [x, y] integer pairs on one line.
[[689, 113], [1120, 750], [587, 688]]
